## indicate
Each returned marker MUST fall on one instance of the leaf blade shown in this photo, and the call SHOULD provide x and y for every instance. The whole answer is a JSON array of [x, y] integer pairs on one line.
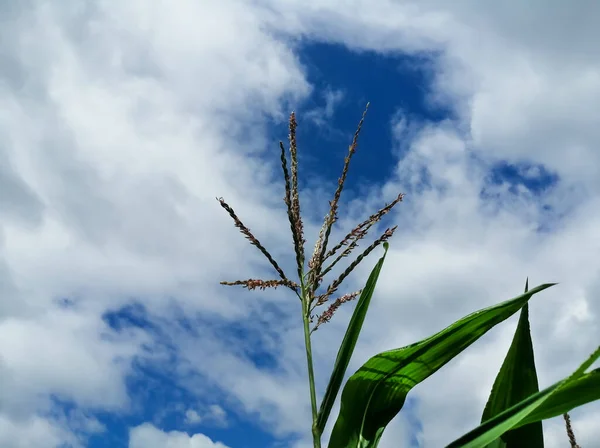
[[348, 344], [550, 402], [517, 380], [574, 394], [377, 391]]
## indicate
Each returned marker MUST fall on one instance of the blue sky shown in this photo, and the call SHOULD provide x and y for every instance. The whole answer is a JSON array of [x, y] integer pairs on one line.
[[122, 124]]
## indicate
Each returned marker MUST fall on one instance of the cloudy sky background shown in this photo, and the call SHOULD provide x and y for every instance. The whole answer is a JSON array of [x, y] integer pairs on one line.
[[121, 121]]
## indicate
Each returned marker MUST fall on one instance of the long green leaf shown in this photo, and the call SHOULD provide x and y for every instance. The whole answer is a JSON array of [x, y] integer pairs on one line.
[[561, 397], [348, 344], [377, 391], [516, 380], [577, 393]]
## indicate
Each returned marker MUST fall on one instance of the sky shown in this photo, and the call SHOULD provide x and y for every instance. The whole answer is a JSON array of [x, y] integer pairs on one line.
[[122, 121]]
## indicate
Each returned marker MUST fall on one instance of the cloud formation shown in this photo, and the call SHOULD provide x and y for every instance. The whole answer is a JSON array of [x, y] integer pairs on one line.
[[122, 121], [147, 436]]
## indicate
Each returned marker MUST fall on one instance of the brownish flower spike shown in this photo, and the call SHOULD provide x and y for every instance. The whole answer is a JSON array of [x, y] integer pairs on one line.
[[291, 198], [321, 245], [364, 226], [295, 193], [262, 284], [336, 283], [356, 234], [328, 314], [570, 432], [309, 284], [250, 237]]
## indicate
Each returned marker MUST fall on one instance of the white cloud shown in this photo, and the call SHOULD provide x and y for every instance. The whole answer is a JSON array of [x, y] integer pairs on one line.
[[122, 121], [214, 414], [217, 412], [65, 353], [116, 137], [34, 431], [321, 115], [148, 436], [192, 417]]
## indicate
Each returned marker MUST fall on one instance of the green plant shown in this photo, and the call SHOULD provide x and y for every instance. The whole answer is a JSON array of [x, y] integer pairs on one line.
[[376, 392]]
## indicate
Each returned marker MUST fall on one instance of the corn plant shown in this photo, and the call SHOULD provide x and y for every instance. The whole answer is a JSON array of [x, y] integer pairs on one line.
[[376, 392]]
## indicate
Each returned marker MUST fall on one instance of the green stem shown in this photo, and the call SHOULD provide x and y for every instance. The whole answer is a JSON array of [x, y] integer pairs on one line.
[[311, 375]]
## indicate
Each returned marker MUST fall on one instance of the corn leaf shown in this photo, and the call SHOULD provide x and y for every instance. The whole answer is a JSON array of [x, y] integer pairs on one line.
[[578, 389], [516, 381], [376, 392], [577, 393], [348, 344]]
